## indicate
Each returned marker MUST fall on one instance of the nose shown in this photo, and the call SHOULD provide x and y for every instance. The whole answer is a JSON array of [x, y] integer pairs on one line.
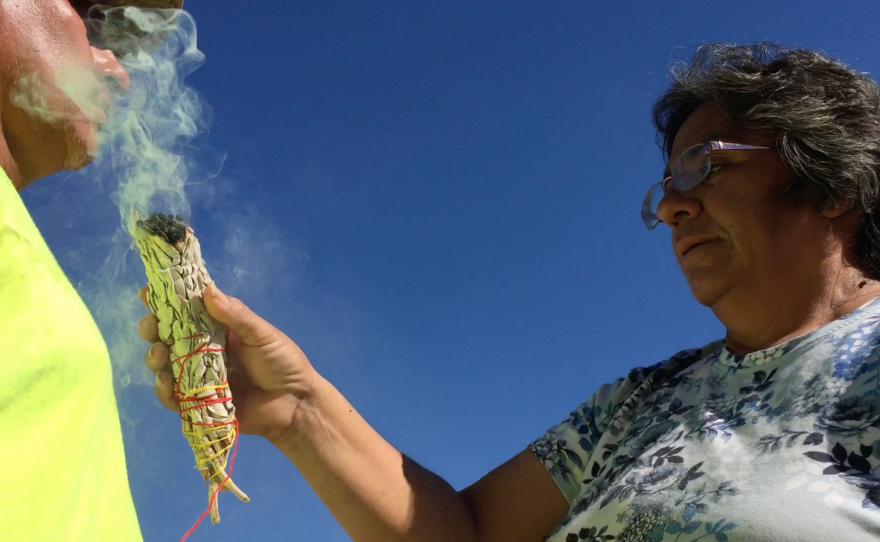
[[677, 206], [107, 66]]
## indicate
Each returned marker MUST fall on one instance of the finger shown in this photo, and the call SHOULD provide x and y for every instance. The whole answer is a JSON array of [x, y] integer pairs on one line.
[[164, 389], [157, 358], [142, 294], [235, 315], [148, 328]]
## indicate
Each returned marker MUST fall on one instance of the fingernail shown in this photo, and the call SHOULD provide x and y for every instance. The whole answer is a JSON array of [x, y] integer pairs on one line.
[[219, 296], [162, 378], [150, 352]]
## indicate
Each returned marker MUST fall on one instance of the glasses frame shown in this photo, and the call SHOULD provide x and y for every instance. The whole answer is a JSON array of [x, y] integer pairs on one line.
[[649, 217]]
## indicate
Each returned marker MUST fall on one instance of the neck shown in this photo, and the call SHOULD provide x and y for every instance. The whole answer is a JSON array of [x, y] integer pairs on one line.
[[785, 313], [7, 161]]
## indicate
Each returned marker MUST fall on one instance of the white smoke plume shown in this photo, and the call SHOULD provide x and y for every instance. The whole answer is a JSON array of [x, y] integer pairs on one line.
[[148, 158], [143, 152]]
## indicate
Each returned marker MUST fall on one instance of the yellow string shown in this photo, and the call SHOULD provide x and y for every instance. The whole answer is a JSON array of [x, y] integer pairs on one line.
[[208, 459], [197, 430], [191, 394], [203, 462]]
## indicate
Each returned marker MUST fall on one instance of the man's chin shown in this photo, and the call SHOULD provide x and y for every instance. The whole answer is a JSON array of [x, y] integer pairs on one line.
[[77, 161], [82, 146]]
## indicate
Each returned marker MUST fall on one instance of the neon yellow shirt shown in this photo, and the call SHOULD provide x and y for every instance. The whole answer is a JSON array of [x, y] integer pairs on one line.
[[62, 465]]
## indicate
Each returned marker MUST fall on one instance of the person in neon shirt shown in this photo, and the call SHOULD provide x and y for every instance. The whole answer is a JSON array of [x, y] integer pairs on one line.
[[62, 464]]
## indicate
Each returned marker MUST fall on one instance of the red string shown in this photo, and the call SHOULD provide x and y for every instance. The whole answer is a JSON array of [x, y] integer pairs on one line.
[[201, 402]]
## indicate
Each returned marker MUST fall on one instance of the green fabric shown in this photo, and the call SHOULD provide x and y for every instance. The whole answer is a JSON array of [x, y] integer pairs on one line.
[[62, 465]]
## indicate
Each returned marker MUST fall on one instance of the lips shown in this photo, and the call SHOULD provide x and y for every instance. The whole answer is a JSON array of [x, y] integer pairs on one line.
[[686, 244]]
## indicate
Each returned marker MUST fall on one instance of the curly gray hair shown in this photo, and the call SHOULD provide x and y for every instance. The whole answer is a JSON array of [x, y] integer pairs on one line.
[[824, 115]]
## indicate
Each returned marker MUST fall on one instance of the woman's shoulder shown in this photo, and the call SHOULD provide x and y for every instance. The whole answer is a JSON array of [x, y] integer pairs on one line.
[[672, 367]]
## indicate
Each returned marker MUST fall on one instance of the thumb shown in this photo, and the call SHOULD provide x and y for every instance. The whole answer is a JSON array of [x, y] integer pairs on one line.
[[231, 312]]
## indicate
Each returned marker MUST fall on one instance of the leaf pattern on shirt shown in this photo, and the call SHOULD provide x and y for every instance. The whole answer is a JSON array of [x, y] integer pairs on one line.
[[642, 457]]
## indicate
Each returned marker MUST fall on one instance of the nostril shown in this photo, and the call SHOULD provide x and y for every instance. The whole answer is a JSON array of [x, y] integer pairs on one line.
[[82, 6], [113, 75], [112, 84]]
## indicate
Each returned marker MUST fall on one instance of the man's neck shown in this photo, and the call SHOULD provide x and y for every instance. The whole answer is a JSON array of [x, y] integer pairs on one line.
[[10, 168], [7, 161]]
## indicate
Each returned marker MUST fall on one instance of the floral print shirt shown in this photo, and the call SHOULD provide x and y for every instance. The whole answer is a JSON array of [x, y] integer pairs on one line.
[[780, 445]]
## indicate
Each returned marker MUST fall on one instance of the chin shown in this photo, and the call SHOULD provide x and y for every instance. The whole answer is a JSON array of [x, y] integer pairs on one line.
[[82, 145], [707, 290], [79, 161], [705, 298]]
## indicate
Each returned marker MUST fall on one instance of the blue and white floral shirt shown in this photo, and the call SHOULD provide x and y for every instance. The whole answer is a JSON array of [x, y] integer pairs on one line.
[[781, 445]]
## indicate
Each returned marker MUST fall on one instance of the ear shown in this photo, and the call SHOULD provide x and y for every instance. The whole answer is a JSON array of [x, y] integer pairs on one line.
[[838, 210], [834, 212]]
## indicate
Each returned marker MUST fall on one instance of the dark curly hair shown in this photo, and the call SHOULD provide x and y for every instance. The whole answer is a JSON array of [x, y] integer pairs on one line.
[[824, 115]]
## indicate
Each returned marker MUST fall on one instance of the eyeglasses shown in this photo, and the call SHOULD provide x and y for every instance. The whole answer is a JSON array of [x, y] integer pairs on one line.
[[690, 169]]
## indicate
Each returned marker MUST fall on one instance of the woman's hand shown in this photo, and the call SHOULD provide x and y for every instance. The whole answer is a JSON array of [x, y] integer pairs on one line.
[[269, 375]]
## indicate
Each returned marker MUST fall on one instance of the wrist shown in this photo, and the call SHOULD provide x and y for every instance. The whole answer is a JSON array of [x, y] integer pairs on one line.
[[301, 431]]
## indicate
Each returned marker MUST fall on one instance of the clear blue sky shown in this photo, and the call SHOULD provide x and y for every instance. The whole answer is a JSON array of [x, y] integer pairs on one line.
[[439, 201]]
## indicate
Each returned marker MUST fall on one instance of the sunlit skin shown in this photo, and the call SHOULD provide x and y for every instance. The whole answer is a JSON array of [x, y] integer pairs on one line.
[[43, 38], [769, 270]]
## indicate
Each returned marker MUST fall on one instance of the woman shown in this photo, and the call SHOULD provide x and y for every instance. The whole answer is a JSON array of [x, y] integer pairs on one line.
[[772, 433]]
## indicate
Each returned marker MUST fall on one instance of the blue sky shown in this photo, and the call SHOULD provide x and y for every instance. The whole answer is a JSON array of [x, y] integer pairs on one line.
[[439, 202]]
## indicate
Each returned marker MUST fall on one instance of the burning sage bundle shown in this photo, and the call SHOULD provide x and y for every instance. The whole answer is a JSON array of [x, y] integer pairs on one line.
[[177, 279]]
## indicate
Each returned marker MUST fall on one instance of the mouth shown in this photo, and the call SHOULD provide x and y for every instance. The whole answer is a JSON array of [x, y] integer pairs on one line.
[[686, 245]]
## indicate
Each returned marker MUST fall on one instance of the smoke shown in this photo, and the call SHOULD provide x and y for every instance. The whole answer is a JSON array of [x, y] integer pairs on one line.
[[153, 157], [144, 146], [145, 139], [147, 160], [81, 86]]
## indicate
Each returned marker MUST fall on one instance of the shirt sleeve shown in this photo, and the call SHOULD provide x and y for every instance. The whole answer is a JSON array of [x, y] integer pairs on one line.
[[566, 449]]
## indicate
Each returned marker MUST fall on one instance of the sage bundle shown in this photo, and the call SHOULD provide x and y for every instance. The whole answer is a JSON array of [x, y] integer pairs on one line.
[[177, 279]]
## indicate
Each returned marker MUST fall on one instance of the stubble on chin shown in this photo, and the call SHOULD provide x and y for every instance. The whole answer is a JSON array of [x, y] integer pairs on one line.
[[80, 151]]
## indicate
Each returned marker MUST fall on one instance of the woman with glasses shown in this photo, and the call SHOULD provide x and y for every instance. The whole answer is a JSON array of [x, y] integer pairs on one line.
[[771, 433]]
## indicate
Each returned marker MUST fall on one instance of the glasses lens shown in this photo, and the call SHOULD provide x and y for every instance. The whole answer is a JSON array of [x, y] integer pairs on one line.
[[649, 207], [691, 168]]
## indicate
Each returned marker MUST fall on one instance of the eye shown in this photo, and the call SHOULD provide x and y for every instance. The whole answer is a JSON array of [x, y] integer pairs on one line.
[[712, 170]]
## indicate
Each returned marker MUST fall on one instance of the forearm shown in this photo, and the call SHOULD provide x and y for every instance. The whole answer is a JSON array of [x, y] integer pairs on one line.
[[375, 492]]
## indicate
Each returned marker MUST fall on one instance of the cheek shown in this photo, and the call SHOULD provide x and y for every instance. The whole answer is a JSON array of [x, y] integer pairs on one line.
[[742, 224], [771, 239]]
